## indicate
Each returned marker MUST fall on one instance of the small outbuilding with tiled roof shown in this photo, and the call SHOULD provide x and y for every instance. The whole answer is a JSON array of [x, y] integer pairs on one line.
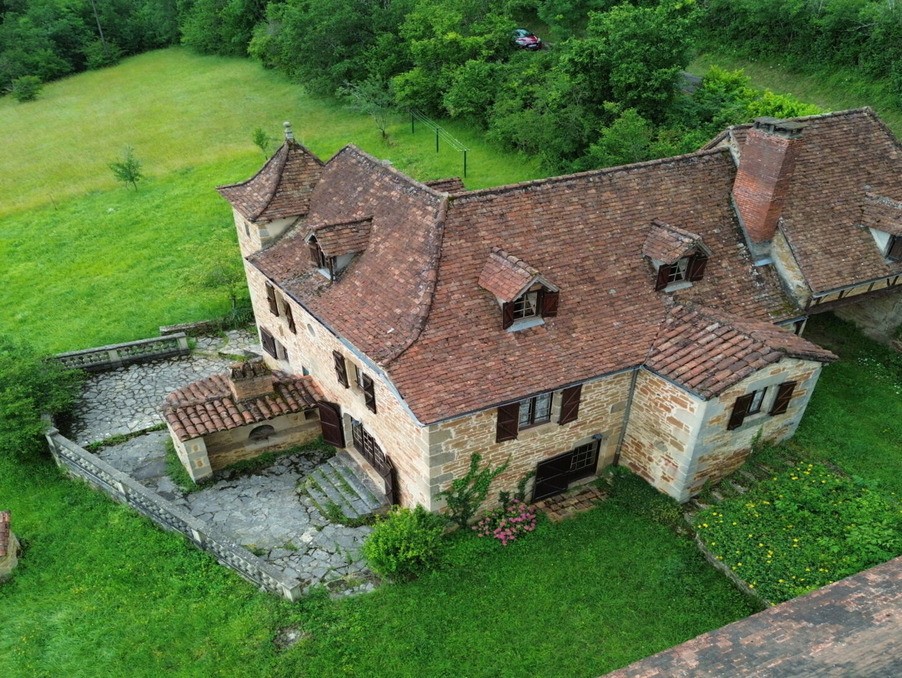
[[239, 415]]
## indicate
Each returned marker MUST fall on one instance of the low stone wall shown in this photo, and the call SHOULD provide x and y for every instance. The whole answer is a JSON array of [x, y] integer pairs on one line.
[[194, 329], [119, 486], [740, 583], [119, 355]]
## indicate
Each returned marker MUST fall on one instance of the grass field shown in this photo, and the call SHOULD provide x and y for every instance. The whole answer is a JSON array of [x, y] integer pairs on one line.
[[102, 592], [832, 90], [89, 262]]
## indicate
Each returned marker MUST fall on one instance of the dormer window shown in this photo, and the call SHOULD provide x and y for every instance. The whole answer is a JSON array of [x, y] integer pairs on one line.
[[679, 257], [334, 246], [526, 298], [883, 218], [894, 248], [325, 264]]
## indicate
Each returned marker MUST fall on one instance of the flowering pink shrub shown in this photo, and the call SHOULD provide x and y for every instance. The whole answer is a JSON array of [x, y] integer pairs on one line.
[[507, 522]]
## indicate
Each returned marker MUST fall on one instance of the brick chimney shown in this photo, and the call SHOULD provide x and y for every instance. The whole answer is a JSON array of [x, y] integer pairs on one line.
[[765, 170], [250, 379]]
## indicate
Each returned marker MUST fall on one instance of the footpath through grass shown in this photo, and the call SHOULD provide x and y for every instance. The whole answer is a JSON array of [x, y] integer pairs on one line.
[[101, 591], [89, 262]]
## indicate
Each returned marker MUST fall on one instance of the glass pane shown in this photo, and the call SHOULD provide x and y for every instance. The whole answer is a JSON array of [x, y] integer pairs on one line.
[[524, 412], [543, 407]]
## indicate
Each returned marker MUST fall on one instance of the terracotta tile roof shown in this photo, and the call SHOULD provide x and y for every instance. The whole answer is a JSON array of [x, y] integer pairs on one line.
[[4, 533], [345, 238], [842, 157], [707, 351], [382, 299], [669, 244], [413, 302], [449, 185], [281, 189], [882, 214], [850, 628], [505, 276], [208, 406]]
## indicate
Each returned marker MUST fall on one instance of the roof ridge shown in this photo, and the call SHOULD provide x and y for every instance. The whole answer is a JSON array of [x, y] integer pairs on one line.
[[386, 165], [602, 172]]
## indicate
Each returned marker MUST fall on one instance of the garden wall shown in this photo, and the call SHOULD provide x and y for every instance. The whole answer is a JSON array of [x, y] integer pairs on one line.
[[118, 355], [81, 463]]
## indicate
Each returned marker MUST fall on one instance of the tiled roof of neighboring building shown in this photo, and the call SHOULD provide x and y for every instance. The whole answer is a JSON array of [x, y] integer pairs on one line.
[[412, 301], [449, 185], [842, 157], [4, 533], [209, 406], [850, 628], [345, 238], [707, 351], [506, 276], [280, 189], [668, 244]]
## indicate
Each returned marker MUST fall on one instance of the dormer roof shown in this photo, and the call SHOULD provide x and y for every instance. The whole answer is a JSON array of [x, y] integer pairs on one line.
[[281, 189], [882, 213], [508, 277], [348, 237], [668, 244]]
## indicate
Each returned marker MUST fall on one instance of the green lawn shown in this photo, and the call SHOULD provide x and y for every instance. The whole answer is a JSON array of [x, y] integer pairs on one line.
[[89, 262], [100, 591], [832, 89]]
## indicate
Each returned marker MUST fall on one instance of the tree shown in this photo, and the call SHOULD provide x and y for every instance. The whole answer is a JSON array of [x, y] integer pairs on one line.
[[220, 270], [31, 386], [372, 97], [128, 170], [262, 140]]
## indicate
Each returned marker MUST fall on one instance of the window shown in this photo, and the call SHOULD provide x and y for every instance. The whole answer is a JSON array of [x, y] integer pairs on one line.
[[269, 342], [537, 302], [271, 299], [687, 269], [751, 403], [369, 393], [261, 433], [289, 316], [534, 411], [894, 248], [341, 371], [324, 263]]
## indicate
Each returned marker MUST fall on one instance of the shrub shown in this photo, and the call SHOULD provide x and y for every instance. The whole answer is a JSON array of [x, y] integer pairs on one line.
[[468, 492], [30, 387], [26, 88], [508, 522], [802, 529], [407, 543]]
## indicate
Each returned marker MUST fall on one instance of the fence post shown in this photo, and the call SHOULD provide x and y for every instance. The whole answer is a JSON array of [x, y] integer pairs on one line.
[[436, 139], [465, 163]]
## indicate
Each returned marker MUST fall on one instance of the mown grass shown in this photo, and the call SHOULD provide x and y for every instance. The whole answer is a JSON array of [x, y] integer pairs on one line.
[[89, 262], [101, 591], [832, 89]]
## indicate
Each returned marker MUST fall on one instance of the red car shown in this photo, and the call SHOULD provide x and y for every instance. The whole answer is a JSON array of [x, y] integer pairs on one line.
[[526, 40]]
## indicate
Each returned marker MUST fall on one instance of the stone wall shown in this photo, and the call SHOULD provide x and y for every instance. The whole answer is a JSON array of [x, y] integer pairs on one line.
[[227, 447], [602, 410], [393, 426], [119, 355], [252, 237], [125, 490], [878, 317], [664, 422]]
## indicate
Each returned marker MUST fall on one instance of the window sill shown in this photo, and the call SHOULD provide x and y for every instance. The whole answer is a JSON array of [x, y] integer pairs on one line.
[[525, 324], [677, 286]]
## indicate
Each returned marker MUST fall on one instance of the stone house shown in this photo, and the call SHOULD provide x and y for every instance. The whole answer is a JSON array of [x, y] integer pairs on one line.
[[648, 315]]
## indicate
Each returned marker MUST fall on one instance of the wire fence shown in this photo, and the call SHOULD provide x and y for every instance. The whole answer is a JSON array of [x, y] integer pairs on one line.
[[440, 134]]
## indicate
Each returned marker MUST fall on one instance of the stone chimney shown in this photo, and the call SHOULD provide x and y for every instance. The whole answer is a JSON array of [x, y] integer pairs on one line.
[[765, 170], [250, 379], [289, 134]]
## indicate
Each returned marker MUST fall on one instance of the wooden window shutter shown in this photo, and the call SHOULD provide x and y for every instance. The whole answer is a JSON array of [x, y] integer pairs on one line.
[[271, 298], [341, 371], [784, 395], [508, 416], [570, 404], [269, 343], [315, 253], [507, 315], [289, 316], [663, 277], [369, 392], [697, 267], [895, 248], [549, 304], [740, 409], [330, 423]]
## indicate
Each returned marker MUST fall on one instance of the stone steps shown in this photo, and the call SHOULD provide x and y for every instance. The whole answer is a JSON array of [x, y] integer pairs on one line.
[[336, 483]]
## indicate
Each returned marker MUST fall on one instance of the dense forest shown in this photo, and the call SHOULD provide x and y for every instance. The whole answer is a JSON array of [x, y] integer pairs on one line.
[[608, 87]]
